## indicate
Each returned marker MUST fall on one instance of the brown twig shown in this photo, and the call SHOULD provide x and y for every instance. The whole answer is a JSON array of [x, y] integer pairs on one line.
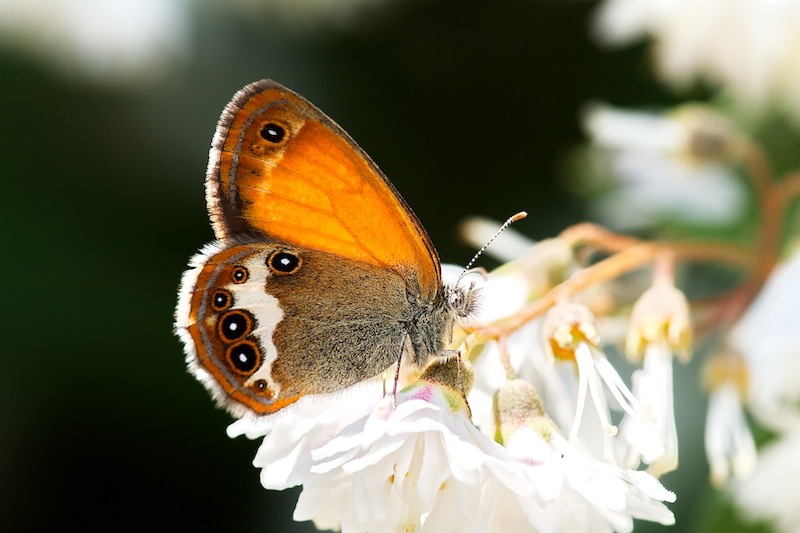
[[622, 262]]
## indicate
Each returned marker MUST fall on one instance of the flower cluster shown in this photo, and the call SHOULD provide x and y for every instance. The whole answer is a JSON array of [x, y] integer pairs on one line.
[[516, 434], [417, 462], [682, 167], [651, 160]]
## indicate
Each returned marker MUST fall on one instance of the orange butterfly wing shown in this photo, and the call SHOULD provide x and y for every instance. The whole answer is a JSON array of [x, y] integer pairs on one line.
[[279, 168]]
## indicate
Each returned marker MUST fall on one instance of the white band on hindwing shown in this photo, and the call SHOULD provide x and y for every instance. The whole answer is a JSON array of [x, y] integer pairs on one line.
[[249, 296]]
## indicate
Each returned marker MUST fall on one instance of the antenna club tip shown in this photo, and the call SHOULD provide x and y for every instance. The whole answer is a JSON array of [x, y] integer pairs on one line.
[[518, 216]]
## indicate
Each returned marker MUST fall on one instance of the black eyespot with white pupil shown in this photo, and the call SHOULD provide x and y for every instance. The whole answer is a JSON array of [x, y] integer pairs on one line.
[[273, 133], [221, 300], [235, 325], [244, 357], [261, 387], [283, 262], [239, 274]]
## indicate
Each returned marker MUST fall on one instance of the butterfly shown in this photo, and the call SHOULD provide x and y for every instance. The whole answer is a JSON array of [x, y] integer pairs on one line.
[[321, 275]]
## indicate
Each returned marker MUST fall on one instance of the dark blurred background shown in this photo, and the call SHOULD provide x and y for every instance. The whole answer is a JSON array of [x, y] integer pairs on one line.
[[468, 106]]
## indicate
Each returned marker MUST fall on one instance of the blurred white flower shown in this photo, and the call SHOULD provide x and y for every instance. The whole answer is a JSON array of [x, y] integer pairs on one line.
[[770, 492], [729, 443], [730, 447], [110, 40], [768, 337], [748, 48], [663, 167]]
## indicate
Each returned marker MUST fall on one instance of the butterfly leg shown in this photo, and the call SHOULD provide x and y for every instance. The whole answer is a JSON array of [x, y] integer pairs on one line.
[[459, 380], [397, 374]]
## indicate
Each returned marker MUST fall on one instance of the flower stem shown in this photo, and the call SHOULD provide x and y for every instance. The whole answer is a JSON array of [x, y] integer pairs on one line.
[[613, 266]]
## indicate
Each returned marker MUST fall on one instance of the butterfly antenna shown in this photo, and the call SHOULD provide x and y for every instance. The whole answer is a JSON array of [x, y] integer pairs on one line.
[[507, 223]]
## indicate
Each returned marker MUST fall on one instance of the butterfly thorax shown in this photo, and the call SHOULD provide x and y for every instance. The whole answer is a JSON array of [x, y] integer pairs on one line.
[[431, 329]]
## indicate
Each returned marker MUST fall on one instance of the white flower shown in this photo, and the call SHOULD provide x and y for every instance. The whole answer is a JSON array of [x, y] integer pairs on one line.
[[653, 439], [747, 47], [770, 492], [616, 495], [421, 465], [289, 436], [730, 446], [418, 466], [530, 362], [591, 495], [503, 293], [571, 336], [659, 330], [728, 440], [768, 337], [130, 40], [663, 167]]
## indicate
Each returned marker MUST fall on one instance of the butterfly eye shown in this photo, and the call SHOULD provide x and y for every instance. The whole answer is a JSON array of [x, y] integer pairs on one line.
[[456, 300], [244, 357], [235, 324], [240, 274], [462, 300], [221, 300], [273, 133], [283, 262]]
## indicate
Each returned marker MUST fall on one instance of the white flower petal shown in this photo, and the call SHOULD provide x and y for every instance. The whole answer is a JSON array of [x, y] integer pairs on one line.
[[654, 439]]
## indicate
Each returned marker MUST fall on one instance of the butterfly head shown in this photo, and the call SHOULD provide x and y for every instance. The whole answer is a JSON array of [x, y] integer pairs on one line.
[[462, 300]]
